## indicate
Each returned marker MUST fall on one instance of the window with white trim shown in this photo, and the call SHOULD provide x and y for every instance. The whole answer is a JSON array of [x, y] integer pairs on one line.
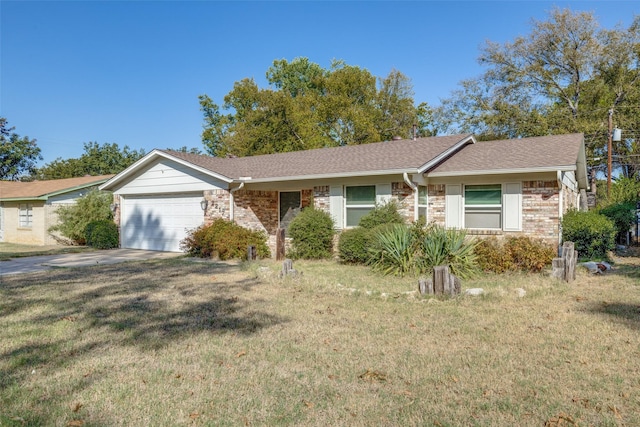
[[422, 201], [360, 200], [290, 205], [483, 206], [26, 215]]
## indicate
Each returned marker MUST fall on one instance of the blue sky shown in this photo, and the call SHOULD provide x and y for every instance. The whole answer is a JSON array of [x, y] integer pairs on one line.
[[130, 72]]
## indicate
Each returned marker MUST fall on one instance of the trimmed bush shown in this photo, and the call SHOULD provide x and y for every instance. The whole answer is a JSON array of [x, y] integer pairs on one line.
[[382, 214], [354, 244], [102, 234], [311, 233], [515, 254], [225, 240], [593, 234]]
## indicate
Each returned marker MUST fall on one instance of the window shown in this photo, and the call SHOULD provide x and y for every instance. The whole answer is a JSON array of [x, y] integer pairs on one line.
[[26, 215], [359, 201], [290, 202], [483, 206], [422, 201]]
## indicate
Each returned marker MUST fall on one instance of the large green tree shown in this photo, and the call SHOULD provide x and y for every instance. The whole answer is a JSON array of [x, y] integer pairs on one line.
[[18, 155], [307, 106], [564, 76], [97, 159]]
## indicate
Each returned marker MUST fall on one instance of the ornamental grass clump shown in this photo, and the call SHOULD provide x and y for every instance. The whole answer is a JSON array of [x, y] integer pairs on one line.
[[452, 247]]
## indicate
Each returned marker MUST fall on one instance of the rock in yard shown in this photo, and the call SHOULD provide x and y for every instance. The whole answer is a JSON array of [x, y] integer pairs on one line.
[[474, 292], [520, 293]]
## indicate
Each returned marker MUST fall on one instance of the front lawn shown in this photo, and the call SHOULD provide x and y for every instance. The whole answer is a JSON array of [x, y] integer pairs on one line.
[[15, 250], [179, 342]]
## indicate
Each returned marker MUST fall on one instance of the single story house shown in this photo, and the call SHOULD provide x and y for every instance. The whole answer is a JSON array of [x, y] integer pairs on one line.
[[507, 187], [28, 209]]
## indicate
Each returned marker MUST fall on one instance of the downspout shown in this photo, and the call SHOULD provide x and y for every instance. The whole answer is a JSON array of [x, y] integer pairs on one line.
[[231, 202], [560, 207], [415, 194]]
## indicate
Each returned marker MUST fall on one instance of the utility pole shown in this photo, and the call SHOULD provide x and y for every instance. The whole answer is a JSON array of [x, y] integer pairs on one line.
[[609, 150]]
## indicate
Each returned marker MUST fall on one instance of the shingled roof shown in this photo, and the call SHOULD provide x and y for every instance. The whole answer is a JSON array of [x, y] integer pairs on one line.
[[556, 152], [374, 158], [15, 190]]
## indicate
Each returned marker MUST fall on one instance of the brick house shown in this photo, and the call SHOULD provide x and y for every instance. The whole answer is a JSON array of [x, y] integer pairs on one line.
[[28, 209], [507, 187]]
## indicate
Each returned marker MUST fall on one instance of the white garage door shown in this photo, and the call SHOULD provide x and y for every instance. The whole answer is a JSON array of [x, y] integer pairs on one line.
[[158, 222]]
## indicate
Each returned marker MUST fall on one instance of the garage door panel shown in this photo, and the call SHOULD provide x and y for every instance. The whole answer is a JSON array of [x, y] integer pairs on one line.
[[159, 222]]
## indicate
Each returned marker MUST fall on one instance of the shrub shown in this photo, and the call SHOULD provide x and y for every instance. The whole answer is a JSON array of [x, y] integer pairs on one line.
[[73, 219], [592, 233], [102, 234], [393, 250], [623, 216], [382, 214], [354, 244], [442, 246], [311, 233], [492, 256], [528, 254], [224, 239]]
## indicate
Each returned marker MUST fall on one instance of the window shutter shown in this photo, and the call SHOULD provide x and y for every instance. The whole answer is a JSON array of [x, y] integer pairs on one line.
[[335, 205], [512, 207], [453, 206], [383, 193]]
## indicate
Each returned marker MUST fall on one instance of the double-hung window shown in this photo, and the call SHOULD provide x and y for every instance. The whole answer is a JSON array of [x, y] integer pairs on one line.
[[360, 200], [483, 206], [26, 215], [422, 201]]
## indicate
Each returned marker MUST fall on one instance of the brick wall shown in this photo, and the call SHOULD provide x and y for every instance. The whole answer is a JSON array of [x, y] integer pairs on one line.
[[540, 210], [435, 208], [403, 194], [217, 205], [321, 198]]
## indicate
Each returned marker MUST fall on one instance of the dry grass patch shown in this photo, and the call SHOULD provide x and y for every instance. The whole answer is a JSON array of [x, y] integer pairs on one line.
[[178, 342]]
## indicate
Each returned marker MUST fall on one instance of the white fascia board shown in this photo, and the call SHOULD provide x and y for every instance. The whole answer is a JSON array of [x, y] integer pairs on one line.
[[152, 156], [331, 175], [502, 171], [447, 153]]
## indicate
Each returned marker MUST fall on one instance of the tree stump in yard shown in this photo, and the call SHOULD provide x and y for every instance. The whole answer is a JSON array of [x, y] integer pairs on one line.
[[441, 283], [280, 247], [564, 268]]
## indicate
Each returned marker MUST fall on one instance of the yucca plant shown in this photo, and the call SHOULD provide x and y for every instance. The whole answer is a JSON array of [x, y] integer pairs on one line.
[[450, 247], [393, 252]]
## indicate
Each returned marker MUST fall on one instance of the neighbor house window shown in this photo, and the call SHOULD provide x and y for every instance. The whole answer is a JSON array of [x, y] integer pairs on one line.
[[360, 201], [483, 206], [26, 215], [422, 201]]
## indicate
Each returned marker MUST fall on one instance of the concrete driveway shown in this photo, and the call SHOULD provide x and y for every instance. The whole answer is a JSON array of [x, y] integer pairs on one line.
[[111, 256]]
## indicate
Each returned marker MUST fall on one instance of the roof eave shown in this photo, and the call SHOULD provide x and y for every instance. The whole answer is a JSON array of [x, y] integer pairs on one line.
[[502, 171], [328, 175], [149, 158], [24, 199]]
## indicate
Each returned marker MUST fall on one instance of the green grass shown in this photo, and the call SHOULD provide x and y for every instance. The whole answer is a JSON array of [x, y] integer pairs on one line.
[[178, 342], [15, 250]]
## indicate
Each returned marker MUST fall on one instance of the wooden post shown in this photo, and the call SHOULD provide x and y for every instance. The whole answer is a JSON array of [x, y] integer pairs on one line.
[[557, 266], [569, 256], [280, 244], [440, 279], [251, 253]]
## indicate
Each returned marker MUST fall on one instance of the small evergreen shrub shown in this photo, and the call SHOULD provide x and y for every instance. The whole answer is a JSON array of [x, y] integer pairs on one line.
[[623, 216], [382, 214], [354, 244], [593, 234], [311, 233], [225, 240], [393, 251], [442, 246], [102, 234]]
